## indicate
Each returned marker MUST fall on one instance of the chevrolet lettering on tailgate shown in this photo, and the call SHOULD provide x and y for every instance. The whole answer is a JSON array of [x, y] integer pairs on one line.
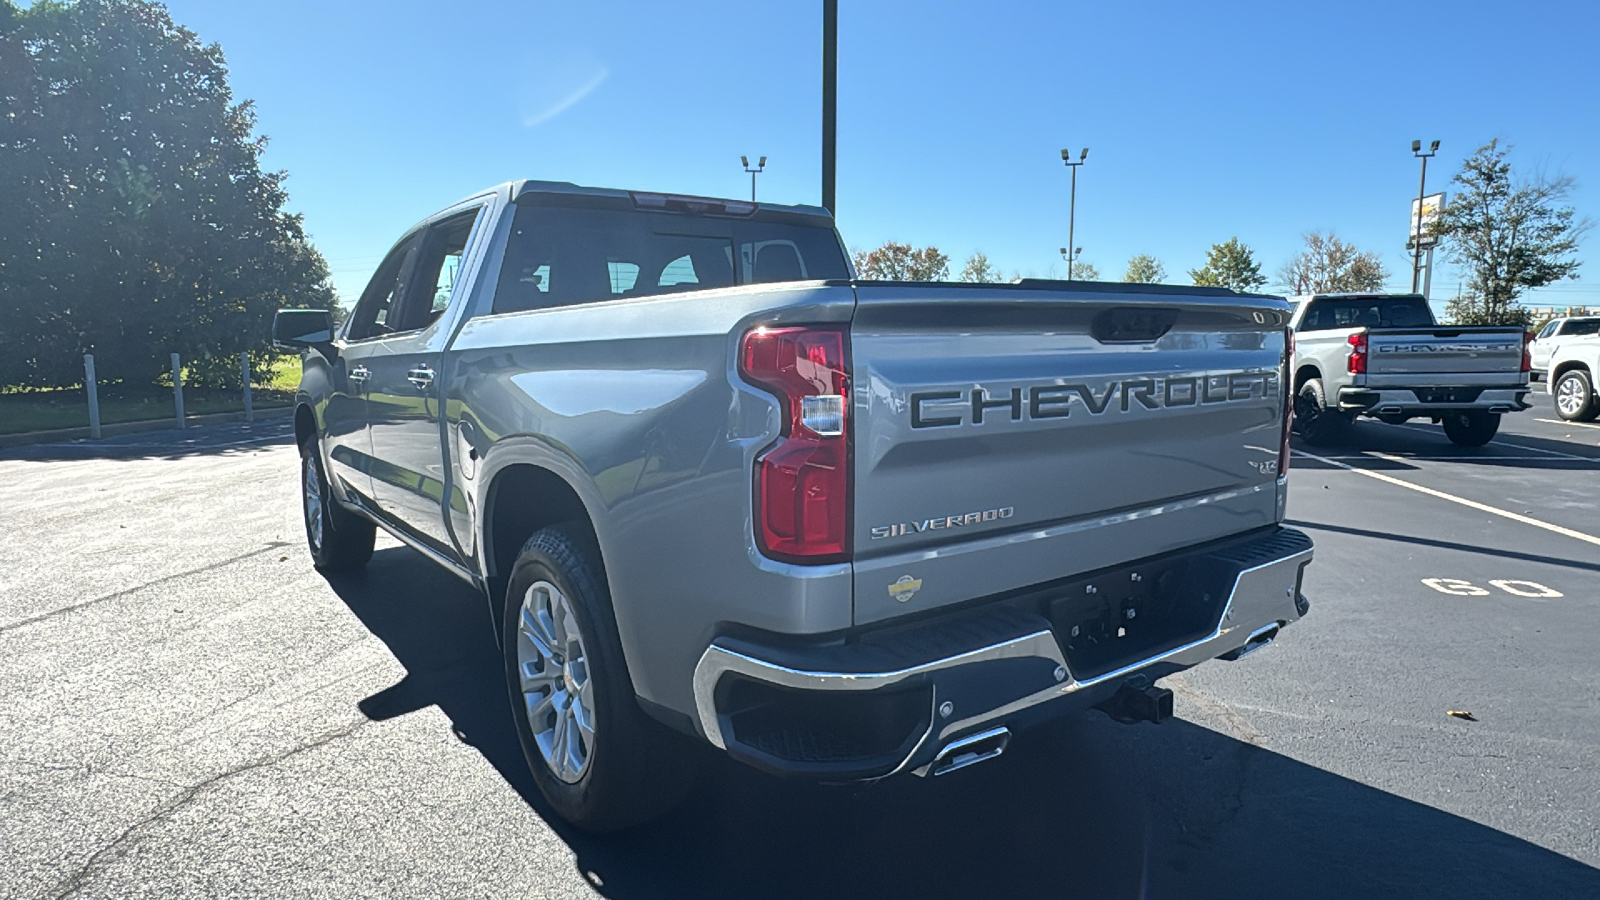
[[1055, 400]]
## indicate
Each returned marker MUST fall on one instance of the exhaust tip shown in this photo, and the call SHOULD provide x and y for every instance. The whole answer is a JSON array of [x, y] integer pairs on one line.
[[969, 751], [1261, 637]]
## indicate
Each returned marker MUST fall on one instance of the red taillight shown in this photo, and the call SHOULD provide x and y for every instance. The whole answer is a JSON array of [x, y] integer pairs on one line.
[[1358, 353], [803, 481], [1288, 400], [1527, 352]]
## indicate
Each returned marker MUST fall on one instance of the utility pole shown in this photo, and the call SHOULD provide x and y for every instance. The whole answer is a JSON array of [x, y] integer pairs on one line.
[[1072, 208], [1422, 190], [830, 101], [745, 161]]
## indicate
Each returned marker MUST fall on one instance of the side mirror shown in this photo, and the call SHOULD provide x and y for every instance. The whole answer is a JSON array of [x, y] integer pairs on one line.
[[298, 329]]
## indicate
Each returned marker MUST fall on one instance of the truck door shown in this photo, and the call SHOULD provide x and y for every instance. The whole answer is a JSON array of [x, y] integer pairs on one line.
[[1543, 345], [409, 466], [348, 444]]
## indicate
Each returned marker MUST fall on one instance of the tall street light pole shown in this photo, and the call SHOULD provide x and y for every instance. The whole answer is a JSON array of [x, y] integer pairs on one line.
[[1422, 190], [1072, 208], [830, 100], [1071, 256], [745, 161]]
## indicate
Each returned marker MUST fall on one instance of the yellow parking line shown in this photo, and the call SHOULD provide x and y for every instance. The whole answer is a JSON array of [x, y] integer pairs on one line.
[[1471, 504]]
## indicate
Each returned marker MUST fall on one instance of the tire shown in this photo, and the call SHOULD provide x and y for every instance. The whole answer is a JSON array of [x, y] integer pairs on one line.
[[1318, 424], [599, 760], [339, 540], [1471, 429], [1574, 396]]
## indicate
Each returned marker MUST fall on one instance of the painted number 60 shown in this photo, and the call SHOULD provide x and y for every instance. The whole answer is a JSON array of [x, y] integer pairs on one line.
[[1460, 588]]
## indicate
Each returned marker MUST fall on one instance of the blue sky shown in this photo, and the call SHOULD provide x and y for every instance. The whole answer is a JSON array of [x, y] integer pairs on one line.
[[1262, 120]]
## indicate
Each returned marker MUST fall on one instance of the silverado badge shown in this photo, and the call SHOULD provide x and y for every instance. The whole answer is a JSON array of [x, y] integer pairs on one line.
[[905, 588]]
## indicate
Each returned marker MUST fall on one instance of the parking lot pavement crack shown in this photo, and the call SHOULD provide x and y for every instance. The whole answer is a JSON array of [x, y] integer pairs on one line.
[[129, 837], [1226, 716], [85, 771], [31, 620]]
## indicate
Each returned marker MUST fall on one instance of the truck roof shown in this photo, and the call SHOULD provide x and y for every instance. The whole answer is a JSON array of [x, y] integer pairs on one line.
[[607, 196], [1352, 295]]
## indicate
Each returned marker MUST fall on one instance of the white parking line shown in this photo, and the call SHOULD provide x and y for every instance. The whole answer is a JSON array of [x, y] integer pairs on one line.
[[1471, 504], [1462, 457], [1571, 424]]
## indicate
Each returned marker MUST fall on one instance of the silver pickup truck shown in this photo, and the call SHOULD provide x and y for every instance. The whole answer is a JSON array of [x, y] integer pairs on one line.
[[714, 489], [1383, 355]]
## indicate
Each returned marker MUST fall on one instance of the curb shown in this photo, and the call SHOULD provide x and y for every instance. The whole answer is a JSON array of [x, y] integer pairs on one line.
[[112, 430]]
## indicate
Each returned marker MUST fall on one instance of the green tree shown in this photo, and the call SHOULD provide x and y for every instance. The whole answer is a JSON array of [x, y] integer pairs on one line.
[[979, 270], [137, 219], [1230, 264], [1510, 232], [901, 262], [1469, 309], [1145, 269], [1085, 271], [1328, 265]]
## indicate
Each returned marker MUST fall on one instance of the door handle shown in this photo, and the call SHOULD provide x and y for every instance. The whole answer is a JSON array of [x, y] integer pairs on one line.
[[421, 376], [359, 373]]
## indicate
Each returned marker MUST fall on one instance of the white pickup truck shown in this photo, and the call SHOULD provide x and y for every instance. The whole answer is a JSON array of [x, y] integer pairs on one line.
[[1572, 359], [1558, 331], [1383, 355]]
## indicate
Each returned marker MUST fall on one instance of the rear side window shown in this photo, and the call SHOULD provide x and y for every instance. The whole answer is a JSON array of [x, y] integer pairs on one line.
[[1367, 312], [559, 256], [1581, 327]]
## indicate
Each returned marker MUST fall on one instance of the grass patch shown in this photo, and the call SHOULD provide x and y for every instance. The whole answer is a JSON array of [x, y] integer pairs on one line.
[[44, 410]]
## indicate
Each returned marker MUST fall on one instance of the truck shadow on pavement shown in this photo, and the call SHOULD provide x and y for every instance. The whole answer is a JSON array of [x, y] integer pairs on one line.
[[208, 440], [1517, 451], [1082, 808]]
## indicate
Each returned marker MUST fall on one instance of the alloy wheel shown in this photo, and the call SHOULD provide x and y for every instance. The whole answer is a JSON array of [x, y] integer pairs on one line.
[[553, 672], [1569, 396], [313, 503]]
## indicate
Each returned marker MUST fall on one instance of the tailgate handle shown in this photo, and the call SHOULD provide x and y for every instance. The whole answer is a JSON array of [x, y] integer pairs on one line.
[[1132, 325]]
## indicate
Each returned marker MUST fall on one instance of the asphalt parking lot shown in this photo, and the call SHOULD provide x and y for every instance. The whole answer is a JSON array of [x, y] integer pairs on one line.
[[190, 709]]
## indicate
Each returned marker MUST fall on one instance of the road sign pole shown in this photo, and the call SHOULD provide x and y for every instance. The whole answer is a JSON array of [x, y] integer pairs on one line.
[[1427, 277], [93, 389], [244, 364], [177, 388]]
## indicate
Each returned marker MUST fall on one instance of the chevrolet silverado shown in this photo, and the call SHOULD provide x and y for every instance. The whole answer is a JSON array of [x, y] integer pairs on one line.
[[1383, 355], [715, 489]]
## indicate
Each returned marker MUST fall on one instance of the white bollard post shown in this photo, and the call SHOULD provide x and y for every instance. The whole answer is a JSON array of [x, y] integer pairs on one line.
[[177, 388], [244, 362], [93, 389]]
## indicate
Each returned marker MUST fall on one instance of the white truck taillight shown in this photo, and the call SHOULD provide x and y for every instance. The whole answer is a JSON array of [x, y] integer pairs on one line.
[[802, 482], [1288, 400], [1357, 364]]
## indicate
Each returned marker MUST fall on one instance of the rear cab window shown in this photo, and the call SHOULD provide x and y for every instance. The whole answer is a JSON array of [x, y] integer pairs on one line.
[[561, 256], [1331, 313]]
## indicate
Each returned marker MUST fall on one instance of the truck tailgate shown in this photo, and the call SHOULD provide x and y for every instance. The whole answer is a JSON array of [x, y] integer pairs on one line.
[[1009, 435], [1415, 355]]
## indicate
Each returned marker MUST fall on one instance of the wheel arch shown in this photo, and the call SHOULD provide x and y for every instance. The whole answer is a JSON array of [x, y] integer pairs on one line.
[[1305, 373], [305, 424], [1567, 366], [519, 500]]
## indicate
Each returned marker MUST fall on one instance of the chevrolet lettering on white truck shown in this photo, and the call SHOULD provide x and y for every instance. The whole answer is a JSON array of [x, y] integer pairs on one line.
[[716, 490], [1382, 355]]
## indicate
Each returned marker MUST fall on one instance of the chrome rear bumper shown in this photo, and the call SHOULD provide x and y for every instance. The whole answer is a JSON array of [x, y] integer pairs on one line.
[[1407, 402], [1020, 664]]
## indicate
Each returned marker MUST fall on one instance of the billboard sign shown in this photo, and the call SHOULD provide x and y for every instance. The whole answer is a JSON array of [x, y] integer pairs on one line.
[[1431, 206]]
